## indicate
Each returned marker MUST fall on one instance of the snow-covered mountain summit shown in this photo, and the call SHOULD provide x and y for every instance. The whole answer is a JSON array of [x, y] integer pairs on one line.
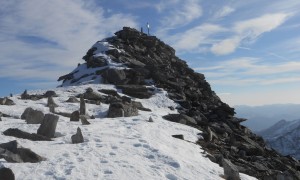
[[284, 136], [139, 112]]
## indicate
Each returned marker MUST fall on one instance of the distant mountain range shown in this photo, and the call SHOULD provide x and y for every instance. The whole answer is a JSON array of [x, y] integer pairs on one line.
[[262, 117], [284, 136]]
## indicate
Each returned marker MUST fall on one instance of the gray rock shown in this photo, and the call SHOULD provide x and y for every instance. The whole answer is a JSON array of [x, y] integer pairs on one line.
[[84, 120], [73, 99], [178, 136], [48, 126], [82, 109], [75, 116], [6, 174], [180, 118], [12, 152], [26, 112], [118, 109], [33, 116], [51, 103], [150, 119], [25, 135], [137, 91], [77, 138], [6, 101], [50, 94], [114, 76], [91, 95], [230, 170]]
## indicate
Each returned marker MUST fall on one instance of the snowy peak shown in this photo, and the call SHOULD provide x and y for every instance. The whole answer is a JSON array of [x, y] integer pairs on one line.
[[284, 136], [138, 64]]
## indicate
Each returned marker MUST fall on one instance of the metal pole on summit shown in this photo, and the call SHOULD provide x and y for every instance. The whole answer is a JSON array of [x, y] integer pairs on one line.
[[148, 27]]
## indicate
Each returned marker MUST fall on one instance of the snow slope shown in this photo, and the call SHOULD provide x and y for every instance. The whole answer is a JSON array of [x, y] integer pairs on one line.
[[114, 148]]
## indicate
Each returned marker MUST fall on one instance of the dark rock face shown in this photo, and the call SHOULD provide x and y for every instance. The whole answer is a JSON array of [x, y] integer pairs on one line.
[[7, 174], [25, 135], [11, 152], [32, 116], [48, 126], [77, 138], [119, 109]]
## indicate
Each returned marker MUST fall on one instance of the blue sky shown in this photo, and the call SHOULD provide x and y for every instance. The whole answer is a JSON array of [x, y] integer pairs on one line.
[[248, 50]]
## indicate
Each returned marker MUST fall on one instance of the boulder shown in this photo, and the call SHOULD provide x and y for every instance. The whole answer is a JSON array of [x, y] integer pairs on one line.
[[73, 99], [12, 152], [48, 126], [6, 101], [25, 135], [6, 174], [114, 76], [77, 138], [230, 170], [32, 116], [50, 94], [119, 109], [75, 116], [26, 112], [84, 120], [91, 95]]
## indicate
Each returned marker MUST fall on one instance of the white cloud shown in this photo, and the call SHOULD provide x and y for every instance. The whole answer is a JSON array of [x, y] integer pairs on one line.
[[195, 38], [251, 71], [224, 11], [182, 13], [226, 46], [45, 39], [248, 31]]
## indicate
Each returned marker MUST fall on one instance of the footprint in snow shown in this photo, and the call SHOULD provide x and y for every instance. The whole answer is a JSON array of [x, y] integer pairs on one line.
[[137, 145], [108, 172], [103, 161], [171, 177], [112, 154]]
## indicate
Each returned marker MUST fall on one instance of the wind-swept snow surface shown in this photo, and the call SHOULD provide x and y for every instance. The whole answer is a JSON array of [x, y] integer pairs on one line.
[[114, 148]]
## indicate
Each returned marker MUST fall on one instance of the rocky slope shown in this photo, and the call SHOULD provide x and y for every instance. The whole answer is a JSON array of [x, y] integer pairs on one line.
[[140, 60], [284, 136]]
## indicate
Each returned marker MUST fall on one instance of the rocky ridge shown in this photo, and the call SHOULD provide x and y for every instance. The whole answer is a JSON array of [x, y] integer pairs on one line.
[[134, 62]]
